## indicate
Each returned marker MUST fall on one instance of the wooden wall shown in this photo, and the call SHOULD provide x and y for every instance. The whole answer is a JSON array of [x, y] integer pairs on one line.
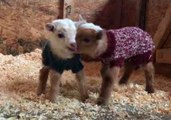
[[119, 13], [155, 12]]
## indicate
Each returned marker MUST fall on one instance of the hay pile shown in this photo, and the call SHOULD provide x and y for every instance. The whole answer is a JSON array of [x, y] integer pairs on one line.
[[19, 77], [23, 21]]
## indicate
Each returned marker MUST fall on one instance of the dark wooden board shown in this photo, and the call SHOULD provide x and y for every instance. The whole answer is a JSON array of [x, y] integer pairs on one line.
[[130, 13], [110, 15]]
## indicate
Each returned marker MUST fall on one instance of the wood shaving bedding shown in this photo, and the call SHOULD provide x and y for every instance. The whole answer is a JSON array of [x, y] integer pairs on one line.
[[19, 79]]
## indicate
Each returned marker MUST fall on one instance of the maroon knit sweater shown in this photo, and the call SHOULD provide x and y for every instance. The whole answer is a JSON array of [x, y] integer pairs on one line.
[[129, 43]]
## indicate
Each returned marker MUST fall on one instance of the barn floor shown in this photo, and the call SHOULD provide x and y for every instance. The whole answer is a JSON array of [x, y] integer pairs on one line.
[[19, 77]]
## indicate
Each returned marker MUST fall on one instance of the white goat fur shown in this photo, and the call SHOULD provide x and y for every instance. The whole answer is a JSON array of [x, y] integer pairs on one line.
[[59, 45], [91, 26]]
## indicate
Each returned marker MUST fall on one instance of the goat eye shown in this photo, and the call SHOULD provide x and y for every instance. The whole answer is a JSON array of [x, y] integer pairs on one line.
[[60, 35], [86, 40]]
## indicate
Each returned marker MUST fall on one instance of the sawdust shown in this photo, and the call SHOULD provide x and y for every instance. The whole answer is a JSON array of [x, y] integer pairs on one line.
[[19, 78]]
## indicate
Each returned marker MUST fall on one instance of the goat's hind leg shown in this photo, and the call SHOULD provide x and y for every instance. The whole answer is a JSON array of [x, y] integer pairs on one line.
[[149, 75], [43, 76]]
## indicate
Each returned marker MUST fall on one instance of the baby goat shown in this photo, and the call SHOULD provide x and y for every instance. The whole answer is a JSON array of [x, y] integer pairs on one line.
[[114, 48], [59, 55]]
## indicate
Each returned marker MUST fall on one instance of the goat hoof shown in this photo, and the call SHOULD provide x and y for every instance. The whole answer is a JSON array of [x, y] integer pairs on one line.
[[122, 82], [101, 102], [84, 98], [39, 92], [150, 89]]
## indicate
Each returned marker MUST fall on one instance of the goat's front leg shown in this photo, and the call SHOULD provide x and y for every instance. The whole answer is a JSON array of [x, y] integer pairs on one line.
[[55, 82], [129, 68], [110, 79], [82, 86], [43, 76]]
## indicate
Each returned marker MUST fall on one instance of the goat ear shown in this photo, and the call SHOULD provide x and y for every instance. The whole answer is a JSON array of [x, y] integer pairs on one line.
[[81, 18], [80, 21], [99, 35], [50, 27]]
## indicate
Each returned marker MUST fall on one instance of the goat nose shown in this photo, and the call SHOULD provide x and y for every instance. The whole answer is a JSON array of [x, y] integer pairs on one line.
[[73, 45]]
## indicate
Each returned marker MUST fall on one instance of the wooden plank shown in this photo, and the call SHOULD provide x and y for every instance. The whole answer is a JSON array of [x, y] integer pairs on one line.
[[156, 10], [110, 15], [130, 12], [163, 56], [66, 9], [167, 44], [164, 69], [163, 29], [61, 8], [143, 11]]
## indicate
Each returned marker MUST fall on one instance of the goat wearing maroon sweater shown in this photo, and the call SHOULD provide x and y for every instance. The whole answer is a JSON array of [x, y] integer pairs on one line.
[[129, 46]]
